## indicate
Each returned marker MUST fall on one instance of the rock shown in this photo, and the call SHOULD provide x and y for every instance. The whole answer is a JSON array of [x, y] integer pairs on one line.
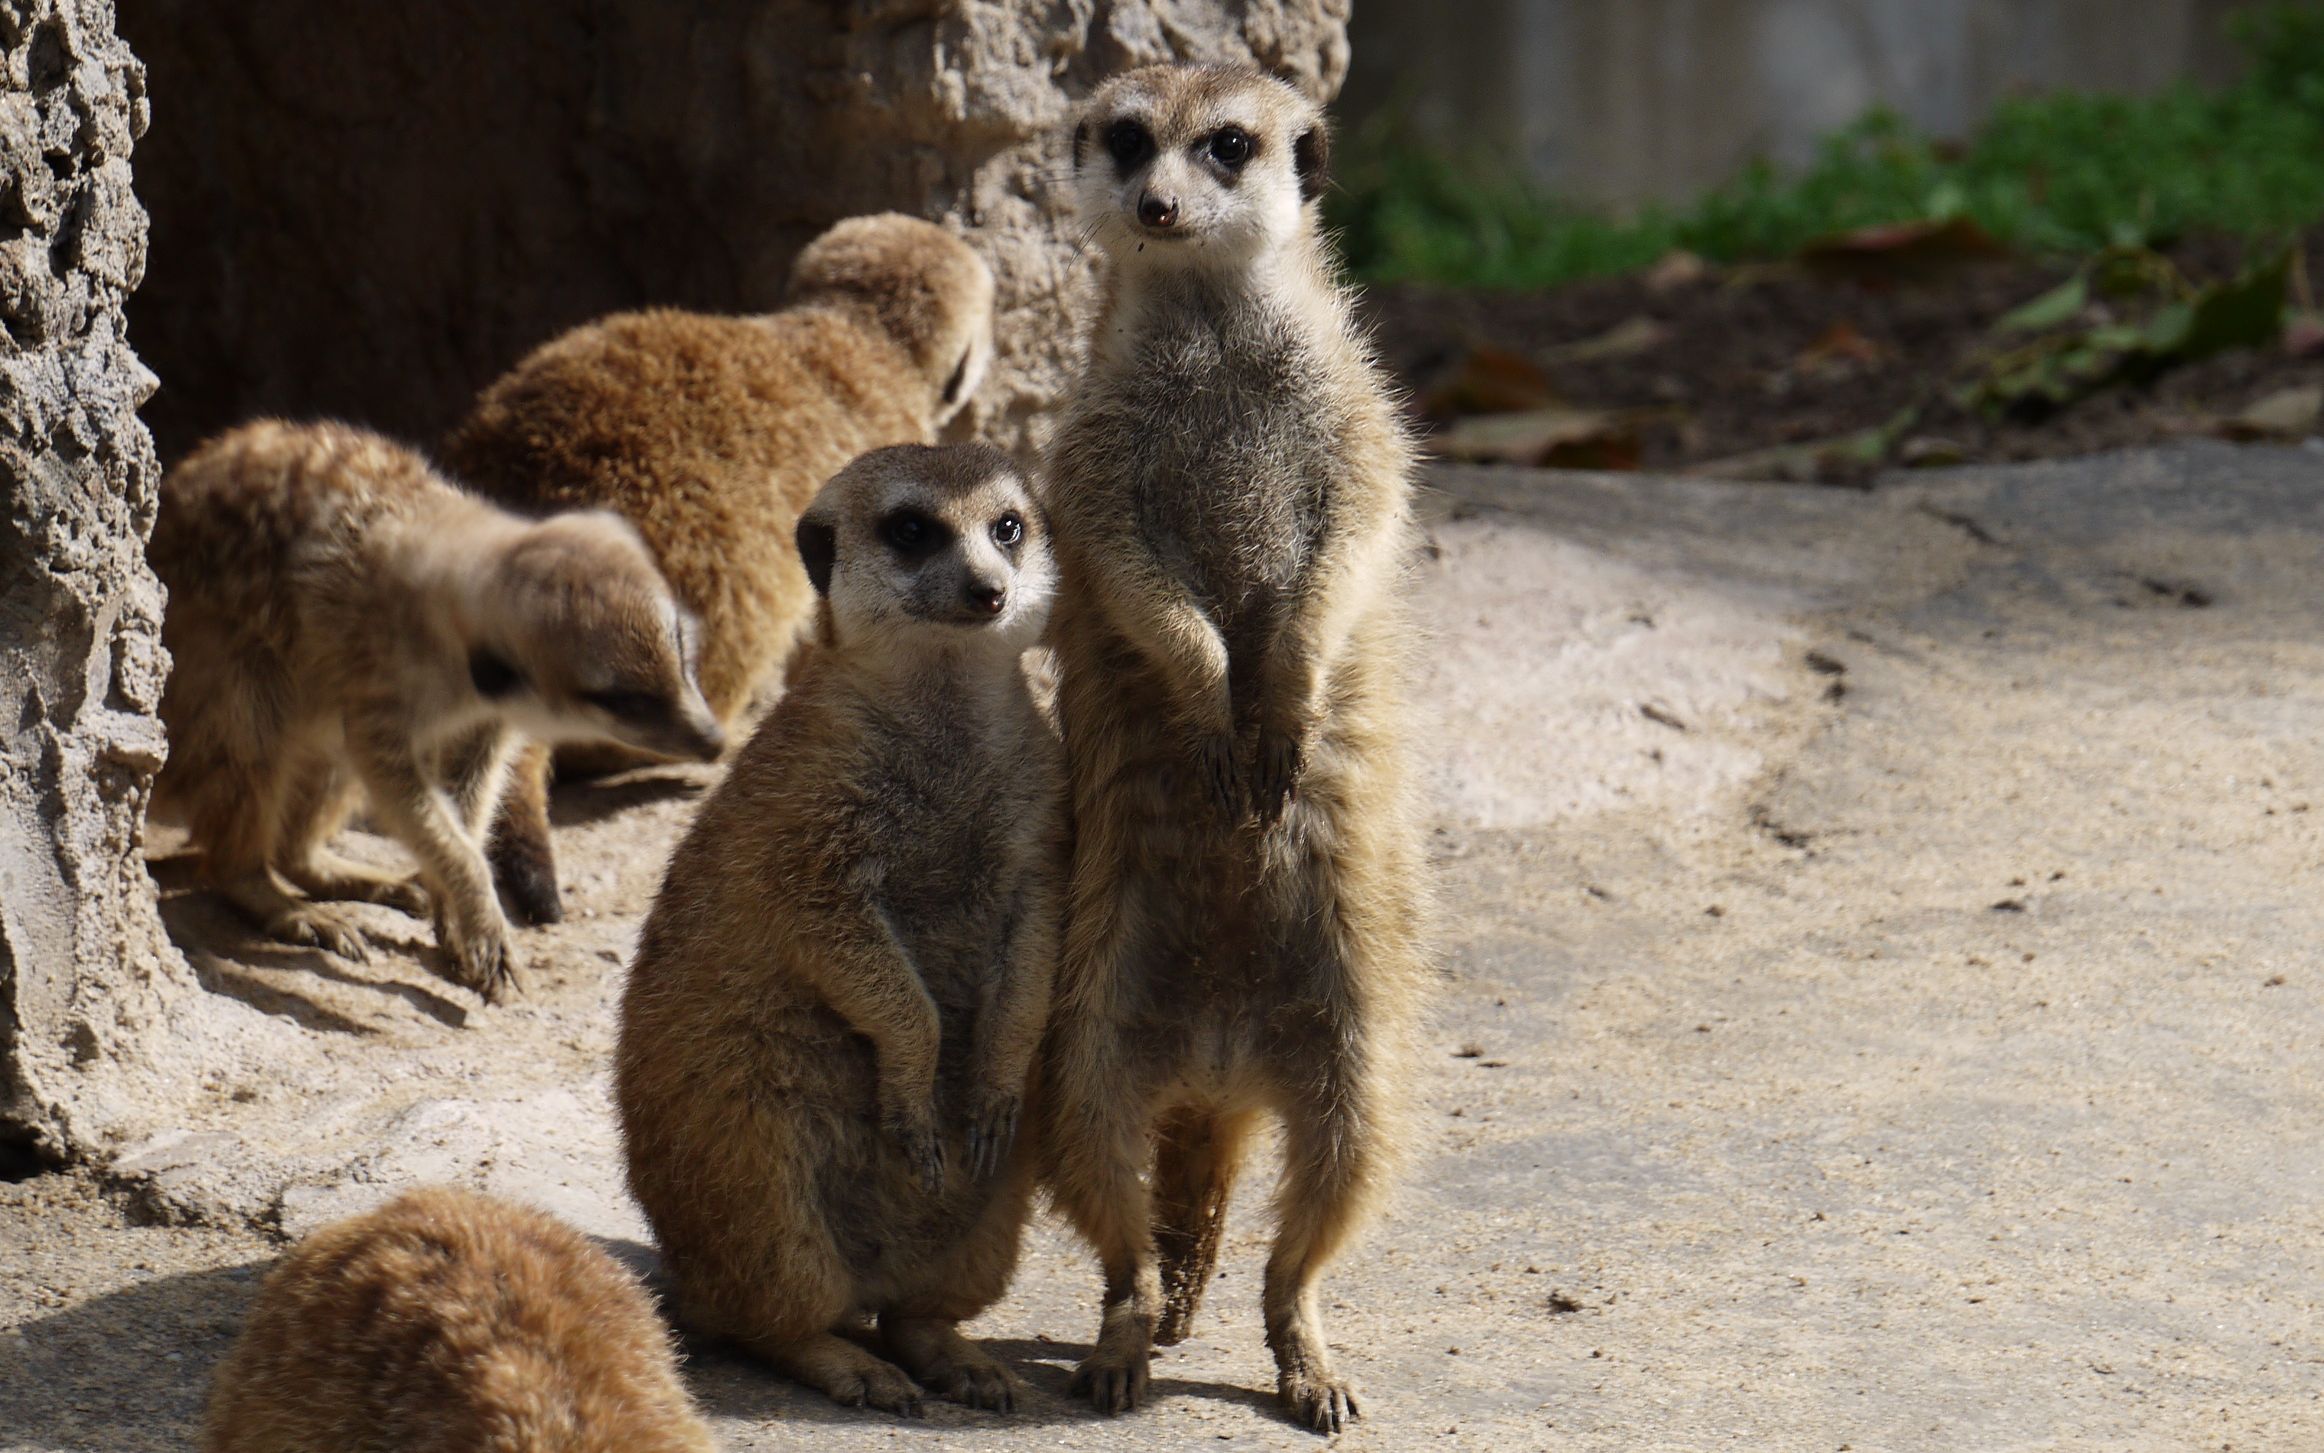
[[444, 186], [87, 980]]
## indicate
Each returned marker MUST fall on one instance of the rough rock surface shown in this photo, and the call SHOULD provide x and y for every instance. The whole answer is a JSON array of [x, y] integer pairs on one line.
[[371, 210], [86, 977]]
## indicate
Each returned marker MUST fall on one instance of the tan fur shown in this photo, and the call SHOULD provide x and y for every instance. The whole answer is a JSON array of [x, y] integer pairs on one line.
[[1230, 491], [450, 1322], [710, 434], [829, 1030], [336, 613]]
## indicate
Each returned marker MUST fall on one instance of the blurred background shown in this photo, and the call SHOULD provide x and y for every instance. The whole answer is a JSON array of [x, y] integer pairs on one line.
[[1811, 239]]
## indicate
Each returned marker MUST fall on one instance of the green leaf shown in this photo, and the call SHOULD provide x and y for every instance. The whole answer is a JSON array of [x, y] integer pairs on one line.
[[2059, 305]]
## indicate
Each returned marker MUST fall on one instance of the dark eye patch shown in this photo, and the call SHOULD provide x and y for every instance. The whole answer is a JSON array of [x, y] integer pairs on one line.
[[492, 676], [1128, 143], [627, 705], [912, 534]]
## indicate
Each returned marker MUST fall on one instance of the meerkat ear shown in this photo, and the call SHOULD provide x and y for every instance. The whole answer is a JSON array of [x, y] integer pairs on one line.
[[1308, 156], [1080, 143], [818, 548]]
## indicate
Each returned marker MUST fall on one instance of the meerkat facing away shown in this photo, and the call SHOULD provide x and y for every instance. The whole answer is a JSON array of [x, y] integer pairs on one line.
[[451, 1322], [1229, 489], [829, 1030], [345, 622], [710, 434]]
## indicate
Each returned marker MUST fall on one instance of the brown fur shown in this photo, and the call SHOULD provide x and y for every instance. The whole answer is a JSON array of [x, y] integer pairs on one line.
[[343, 621], [846, 973], [1230, 489], [450, 1322], [710, 434]]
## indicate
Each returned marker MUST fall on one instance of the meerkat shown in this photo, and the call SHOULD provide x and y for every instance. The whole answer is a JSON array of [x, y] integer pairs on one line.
[[829, 1030], [452, 1322], [344, 622], [1229, 491], [711, 434]]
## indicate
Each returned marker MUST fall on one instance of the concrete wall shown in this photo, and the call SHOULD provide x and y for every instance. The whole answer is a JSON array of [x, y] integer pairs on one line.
[[1622, 101]]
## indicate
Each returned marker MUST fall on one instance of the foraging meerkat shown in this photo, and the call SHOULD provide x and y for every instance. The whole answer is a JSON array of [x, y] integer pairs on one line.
[[829, 1030], [1229, 490], [711, 434], [343, 621], [451, 1322]]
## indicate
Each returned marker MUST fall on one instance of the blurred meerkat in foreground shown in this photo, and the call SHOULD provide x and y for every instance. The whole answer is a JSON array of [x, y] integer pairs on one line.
[[711, 434], [345, 623], [828, 1034], [451, 1322], [1230, 493]]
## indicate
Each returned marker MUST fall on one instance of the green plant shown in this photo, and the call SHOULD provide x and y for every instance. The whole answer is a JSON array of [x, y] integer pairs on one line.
[[2062, 173]]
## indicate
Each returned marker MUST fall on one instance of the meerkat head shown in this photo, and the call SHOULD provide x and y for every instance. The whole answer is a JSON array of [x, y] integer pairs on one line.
[[577, 637], [918, 536], [916, 282], [1197, 166]]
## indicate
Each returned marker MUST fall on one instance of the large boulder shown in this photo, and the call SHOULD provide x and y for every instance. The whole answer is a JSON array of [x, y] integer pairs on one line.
[[87, 979]]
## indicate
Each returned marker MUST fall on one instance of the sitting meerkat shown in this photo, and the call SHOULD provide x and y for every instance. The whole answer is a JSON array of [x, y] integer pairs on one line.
[[710, 434], [1230, 493], [829, 1030], [451, 1322], [344, 622]]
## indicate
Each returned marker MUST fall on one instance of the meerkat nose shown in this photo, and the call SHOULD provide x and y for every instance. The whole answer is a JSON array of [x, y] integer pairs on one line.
[[1157, 211], [987, 598]]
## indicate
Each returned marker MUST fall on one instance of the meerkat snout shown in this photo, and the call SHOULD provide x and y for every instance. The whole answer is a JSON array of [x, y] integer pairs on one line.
[[587, 575], [929, 535]]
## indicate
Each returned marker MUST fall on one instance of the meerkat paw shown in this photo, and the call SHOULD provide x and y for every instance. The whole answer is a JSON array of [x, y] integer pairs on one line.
[[1276, 769], [923, 1149], [876, 1384], [1320, 1402], [977, 1381], [991, 1133], [480, 959], [1113, 1378], [320, 928], [407, 895]]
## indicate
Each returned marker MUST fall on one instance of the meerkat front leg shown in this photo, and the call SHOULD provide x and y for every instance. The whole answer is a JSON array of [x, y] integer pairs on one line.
[[1009, 1027], [1166, 626], [424, 818], [860, 968]]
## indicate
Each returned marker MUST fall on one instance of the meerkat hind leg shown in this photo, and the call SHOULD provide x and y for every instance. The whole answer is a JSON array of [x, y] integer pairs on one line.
[[524, 862], [1197, 1151], [945, 1362], [845, 1371], [326, 874]]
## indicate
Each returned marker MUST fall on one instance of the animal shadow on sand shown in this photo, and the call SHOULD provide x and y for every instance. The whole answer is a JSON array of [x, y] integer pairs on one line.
[[230, 958], [127, 1371], [579, 801]]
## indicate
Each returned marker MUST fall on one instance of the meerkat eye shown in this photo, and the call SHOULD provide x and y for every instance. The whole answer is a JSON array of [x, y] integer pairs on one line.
[[909, 532], [1007, 531], [492, 676], [628, 705], [1128, 143], [1230, 147]]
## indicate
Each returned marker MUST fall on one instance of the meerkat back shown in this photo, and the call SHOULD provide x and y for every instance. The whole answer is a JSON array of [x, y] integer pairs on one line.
[[451, 1322], [711, 434]]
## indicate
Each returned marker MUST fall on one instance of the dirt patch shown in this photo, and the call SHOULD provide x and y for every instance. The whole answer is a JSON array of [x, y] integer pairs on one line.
[[1709, 364]]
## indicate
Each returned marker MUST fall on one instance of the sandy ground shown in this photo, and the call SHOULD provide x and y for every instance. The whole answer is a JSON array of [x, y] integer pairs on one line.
[[1880, 1012]]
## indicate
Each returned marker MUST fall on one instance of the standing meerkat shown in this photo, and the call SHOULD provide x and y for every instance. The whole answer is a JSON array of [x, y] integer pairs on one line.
[[828, 1033], [451, 1322], [711, 434], [342, 621], [1229, 489]]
